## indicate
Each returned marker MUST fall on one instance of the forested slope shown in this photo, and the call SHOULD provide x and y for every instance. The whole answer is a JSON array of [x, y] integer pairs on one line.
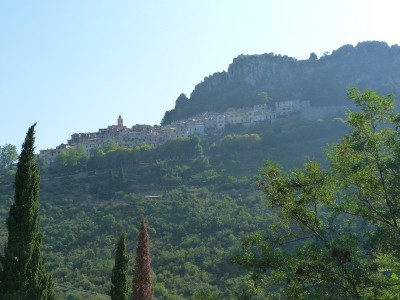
[[198, 195]]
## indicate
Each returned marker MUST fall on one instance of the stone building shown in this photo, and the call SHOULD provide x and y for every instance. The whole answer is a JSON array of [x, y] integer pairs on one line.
[[208, 123]]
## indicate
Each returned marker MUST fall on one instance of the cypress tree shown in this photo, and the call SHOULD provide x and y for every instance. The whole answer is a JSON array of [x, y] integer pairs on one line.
[[119, 276], [23, 275], [142, 282]]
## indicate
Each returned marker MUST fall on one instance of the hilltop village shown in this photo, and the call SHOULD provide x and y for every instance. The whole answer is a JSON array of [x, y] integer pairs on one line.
[[208, 123]]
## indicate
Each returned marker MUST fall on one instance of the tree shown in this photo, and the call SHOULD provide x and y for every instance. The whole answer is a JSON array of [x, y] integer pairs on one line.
[[121, 177], [97, 159], [43, 164], [110, 146], [340, 232], [264, 98], [203, 294], [8, 154], [181, 148], [119, 276], [73, 159], [22, 273], [313, 56], [142, 281]]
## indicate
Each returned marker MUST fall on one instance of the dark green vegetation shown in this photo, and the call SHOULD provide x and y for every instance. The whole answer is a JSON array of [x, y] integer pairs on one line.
[[323, 81], [338, 235], [8, 154], [205, 201], [22, 271], [329, 230], [119, 274]]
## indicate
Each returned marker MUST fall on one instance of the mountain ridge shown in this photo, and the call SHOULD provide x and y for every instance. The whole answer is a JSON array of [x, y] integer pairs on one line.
[[323, 80]]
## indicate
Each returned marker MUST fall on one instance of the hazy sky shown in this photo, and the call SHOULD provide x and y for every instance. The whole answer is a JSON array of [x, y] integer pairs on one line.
[[74, 66]]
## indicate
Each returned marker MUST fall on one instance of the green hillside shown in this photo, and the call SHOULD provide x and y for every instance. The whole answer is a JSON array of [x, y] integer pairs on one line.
[[198, 195]]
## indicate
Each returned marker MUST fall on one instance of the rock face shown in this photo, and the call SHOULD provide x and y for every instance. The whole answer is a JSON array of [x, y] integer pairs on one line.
[[322, 81]]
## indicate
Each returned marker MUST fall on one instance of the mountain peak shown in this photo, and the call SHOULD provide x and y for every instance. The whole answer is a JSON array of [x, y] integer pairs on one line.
[[322, 81]]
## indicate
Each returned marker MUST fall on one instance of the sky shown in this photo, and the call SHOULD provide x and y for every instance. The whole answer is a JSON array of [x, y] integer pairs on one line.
[[74, 66]]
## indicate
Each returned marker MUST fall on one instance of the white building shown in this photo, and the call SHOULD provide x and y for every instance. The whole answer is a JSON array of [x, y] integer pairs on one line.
[[195, 128], [51, 154], [285, 108], [261, 113], [208, 122]]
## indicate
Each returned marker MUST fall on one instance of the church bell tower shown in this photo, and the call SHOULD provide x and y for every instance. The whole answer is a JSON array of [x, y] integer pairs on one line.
[[120, 121]]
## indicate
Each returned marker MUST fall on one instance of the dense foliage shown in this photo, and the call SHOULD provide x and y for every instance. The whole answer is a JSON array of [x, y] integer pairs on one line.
[[329, 230], [8, 154], [199, 203], [339, 234]]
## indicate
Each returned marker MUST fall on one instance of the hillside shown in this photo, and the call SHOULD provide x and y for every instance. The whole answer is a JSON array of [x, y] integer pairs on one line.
[[199, 194], [206, 201], [323, 81]]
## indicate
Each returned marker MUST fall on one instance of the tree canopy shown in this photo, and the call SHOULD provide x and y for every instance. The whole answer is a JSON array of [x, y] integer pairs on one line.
[[339, 234], [8, 154], [72, 159]]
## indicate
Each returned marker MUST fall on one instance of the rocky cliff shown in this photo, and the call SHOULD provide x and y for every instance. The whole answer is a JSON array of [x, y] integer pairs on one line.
[[323, 81]]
